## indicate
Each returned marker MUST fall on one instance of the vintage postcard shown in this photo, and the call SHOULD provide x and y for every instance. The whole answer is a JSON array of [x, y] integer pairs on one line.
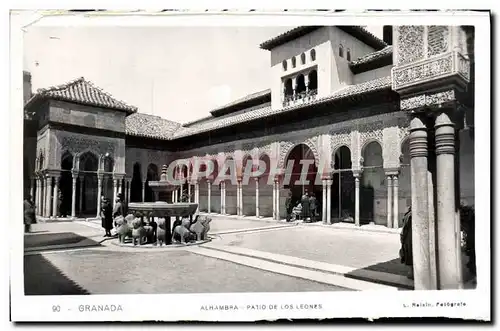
[[248, 165]]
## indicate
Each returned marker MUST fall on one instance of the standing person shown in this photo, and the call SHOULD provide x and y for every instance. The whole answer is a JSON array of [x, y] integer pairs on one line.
[[118, 209], [59, 211], [406, 253], [29, 214], [313, 207], [289, 206], [305, 207], [106, 216]]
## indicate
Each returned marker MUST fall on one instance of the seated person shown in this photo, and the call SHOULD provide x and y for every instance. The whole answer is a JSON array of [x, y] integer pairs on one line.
[[297, 212]]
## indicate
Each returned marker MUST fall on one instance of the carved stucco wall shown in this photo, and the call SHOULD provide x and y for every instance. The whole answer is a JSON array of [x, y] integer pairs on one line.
[[80, 143], [42, 148], [145, 157]]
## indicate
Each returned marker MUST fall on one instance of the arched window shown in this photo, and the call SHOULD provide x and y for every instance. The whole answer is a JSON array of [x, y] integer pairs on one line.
[[313, 81], [313, 54], [284, 65], [341, 51], [293, 62], [301, 84], [348, 55], [288, 88], [303, 58]]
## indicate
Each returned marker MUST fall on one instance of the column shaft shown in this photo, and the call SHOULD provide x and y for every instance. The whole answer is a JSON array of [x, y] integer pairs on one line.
[[274, 200], [329, 201], [55, 210], [257, 197], [420, 205], [37, 196], [144, 191], [80, 202], [209, 194], [323, 205], [357, 221], [99, 193], [447, 228], [395, 185], [389, 201], [48, 194], [278, 216], [73, 196]]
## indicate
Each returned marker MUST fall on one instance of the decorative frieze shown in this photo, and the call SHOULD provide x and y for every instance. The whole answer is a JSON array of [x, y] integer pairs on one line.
[[410, 43], [339, 139], [427, 100], [77, 144], [422, 71], [437, 39]]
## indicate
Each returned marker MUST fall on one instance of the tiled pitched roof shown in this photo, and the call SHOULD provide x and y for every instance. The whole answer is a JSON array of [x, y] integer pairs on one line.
[[84, 92], [246, 98], [354, 30], [348, 91], [144, 125], [372, 57]]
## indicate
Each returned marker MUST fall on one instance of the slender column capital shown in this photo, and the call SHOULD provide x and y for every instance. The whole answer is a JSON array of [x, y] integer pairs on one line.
[[329, 182], [74, 174], [357, 173], [418, 138], [395, 181], [444, 135]]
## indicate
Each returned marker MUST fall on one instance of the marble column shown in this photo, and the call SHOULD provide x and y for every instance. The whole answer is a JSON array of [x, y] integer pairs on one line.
[[323, 205], [99, 193], [357, 221], [32, 188], [81, 178], [143, 191], [73, 195], [222, 196], [189, 191], [37, 196], [115, 190], [209, 196], [274, 200], [448, 231], [48, 195], [197, 195], [329, 201], [42, 196], [240, 195], [277, 200], [395, 199], [55, 194], [389, 201], [420, 204], [129, 188], [257, 213]]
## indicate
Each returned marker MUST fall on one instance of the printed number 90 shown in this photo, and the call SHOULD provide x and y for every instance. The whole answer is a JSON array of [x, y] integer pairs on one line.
[[56, 309]]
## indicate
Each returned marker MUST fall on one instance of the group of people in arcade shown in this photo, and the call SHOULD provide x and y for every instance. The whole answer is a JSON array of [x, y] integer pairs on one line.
[[304, 208]]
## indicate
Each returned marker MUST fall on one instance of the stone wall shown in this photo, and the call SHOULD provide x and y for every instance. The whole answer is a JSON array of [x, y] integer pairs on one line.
[[87, 116]]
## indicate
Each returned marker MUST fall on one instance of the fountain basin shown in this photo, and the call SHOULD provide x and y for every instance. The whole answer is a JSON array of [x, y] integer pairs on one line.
[[163, 209]]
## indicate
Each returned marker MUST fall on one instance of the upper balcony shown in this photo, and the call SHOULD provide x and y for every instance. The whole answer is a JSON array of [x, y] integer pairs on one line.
[[429, 57]]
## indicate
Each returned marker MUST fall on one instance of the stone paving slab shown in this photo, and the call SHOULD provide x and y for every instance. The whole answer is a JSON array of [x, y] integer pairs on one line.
[[320, 277], [355, 249], [98, 271]]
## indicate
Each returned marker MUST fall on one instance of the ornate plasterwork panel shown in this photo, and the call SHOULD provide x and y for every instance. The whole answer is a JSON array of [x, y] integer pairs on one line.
[[79, 144], [266, 149], [437, 39], [391, 147], [427, 100], [286, 146], [422, 72], [339, 139], [410, 43]]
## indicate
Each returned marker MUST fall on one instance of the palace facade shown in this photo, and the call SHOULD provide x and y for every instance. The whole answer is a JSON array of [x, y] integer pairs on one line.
[[338, 96]]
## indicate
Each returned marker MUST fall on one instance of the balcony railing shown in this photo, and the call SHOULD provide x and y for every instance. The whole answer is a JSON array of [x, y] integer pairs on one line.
[[302, 97]]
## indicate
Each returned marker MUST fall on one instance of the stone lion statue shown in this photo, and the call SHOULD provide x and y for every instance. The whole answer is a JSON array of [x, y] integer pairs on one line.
[[161, 232], [182, 233], [124, 227], [200, 227], [137, 231]]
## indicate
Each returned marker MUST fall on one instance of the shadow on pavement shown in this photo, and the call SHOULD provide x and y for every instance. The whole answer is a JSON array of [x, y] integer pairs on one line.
[[392, 273], [70, 239], [41, 277]]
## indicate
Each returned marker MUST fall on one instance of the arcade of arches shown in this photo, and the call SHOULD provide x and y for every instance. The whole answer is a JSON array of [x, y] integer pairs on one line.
[[367, 194]]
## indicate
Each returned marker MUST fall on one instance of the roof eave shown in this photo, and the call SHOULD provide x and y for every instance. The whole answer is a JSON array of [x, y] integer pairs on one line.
[[349, 98]]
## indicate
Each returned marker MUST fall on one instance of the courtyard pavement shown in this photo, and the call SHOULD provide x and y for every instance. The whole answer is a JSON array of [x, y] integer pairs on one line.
[[244, 256]]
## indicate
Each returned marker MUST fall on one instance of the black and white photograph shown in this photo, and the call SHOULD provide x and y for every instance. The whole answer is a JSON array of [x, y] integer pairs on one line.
[[253, 167]]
